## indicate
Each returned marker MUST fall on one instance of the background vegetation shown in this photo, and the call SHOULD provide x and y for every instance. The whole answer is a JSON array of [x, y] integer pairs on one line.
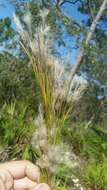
[[85, 129]]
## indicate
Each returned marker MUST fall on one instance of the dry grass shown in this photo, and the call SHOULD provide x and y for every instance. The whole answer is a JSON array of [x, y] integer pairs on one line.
[[57, 94]]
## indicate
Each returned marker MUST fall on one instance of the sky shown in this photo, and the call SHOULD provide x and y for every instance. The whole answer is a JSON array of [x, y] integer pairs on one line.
[[70, 10], [6, 9]]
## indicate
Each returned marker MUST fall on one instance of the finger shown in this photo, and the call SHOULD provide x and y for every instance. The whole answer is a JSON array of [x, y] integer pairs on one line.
[[6, 180], [2, 187], [41, 186], [21, 169], [23, 184]]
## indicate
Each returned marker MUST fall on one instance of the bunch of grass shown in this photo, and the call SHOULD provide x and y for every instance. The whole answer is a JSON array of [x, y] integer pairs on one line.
[[57, 96]]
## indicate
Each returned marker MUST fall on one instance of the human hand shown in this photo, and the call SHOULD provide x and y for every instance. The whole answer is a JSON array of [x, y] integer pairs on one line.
[[20, 175]]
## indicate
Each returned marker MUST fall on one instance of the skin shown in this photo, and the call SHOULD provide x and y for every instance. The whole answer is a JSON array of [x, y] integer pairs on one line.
[[20, 175]]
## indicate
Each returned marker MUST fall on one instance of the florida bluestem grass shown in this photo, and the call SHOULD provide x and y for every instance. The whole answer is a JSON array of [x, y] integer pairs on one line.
[[57, 96]]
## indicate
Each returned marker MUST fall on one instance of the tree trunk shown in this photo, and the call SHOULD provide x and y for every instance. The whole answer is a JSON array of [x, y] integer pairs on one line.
[[88, 38]]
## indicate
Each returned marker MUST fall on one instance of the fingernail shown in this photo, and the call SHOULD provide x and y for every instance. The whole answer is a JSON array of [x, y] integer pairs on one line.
[[42, 186], [38, 187]]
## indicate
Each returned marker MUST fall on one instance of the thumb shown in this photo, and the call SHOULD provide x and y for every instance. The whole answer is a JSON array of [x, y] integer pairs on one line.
[[41, 186]]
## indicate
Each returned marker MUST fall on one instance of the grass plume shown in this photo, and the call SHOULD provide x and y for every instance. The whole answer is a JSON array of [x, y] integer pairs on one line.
[[57, 97]]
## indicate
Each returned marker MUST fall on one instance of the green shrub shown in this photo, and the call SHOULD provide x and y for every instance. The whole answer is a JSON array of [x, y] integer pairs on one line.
[[96, 175], [16, 130], [86, 142], [17, 81]]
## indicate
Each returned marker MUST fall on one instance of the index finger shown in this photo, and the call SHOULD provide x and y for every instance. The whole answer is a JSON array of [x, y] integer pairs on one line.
[[21, 169]]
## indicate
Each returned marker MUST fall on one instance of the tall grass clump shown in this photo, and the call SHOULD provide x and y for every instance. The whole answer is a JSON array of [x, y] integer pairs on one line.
[[57, 97]]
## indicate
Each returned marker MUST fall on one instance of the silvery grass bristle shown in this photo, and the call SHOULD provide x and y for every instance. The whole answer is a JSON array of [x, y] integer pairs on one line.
[[58, 94]]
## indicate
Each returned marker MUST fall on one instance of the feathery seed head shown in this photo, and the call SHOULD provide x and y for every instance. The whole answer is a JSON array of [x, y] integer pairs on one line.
[[44, 13]]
